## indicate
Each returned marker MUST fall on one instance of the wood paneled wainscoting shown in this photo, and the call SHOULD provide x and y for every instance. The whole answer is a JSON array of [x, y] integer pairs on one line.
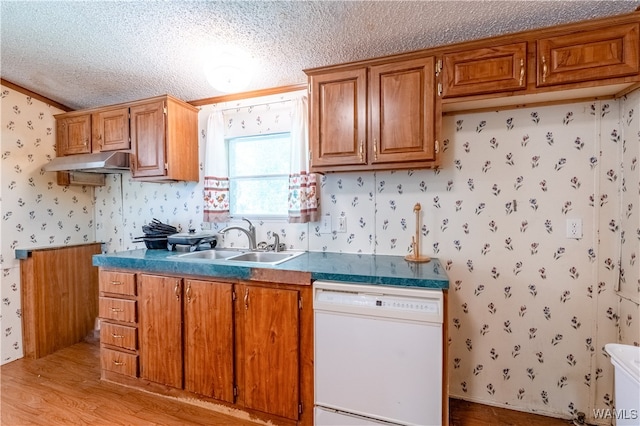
[[59, 296], [64, 388]]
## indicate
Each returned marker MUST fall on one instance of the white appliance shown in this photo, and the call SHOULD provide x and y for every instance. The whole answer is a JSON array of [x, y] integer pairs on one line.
[[626, 379], [378, 355]]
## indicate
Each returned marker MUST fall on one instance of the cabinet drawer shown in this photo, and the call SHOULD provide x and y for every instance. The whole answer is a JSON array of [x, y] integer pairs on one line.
[[117, 309], [119, 362], [118, 282], [118, 335]]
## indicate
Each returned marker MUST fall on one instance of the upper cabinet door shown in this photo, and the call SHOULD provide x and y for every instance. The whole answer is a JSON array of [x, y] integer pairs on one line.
[[148, 139], [111, 130], [74, 135], [590, 55], [485, 70], [403, 111], [338, 114]]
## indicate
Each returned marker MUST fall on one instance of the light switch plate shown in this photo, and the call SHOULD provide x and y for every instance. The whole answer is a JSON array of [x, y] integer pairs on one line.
[[325, 223]]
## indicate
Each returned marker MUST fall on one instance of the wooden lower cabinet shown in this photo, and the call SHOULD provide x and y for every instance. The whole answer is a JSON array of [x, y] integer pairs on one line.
[[118, 323], [246, 345], [160, 306], [267, 324], [208, 339]]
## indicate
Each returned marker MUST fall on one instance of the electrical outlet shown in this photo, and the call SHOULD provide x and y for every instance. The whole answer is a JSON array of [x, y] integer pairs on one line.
[[325, 223], [342, 224], [574, 228]]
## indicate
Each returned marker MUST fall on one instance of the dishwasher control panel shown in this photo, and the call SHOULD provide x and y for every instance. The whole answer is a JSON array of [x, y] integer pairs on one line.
[[389, 302]]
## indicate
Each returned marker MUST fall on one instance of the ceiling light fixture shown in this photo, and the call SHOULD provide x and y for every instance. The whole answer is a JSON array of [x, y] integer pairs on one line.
[[230, 69]]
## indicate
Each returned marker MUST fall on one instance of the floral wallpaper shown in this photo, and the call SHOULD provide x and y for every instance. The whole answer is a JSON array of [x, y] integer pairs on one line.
[[529, 309], [36, 212]]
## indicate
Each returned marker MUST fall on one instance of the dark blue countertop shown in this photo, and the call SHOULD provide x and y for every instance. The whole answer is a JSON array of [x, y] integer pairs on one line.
[[354, 268]]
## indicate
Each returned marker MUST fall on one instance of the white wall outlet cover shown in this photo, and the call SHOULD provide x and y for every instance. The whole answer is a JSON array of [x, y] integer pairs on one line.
[[574, 228]]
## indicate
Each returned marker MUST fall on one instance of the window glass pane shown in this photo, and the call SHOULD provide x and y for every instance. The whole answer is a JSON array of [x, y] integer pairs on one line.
[[259, 197], [259, 175], [260, 155]]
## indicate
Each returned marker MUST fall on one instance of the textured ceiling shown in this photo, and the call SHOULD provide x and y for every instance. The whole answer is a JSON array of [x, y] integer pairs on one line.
[[91, 53]]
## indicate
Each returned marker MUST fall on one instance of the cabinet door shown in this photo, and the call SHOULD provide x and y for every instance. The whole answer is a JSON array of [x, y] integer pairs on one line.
[[486, 70], [403, 115], [111, 130], [160, 329], [148, 137], [208, 339], [338, 118], [269, 349], [589, 55], [74, 135]]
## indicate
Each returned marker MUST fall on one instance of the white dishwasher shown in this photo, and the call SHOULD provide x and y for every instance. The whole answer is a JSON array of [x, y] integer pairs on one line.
[[378, 355]]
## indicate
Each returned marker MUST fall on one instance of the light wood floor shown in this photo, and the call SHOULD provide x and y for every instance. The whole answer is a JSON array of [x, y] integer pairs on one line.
[[64, 388]]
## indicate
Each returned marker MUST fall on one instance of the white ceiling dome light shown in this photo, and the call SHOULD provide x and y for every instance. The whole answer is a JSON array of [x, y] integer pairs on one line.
[[229, 69]]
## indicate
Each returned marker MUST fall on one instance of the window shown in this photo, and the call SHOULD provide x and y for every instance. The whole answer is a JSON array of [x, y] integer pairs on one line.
[[259, 175]]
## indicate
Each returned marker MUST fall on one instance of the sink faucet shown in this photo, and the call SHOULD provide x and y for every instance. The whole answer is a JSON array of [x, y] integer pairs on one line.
[[250, 232], [276, 245]]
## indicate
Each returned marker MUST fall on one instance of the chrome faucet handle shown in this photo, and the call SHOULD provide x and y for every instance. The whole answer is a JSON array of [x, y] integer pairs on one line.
[[276, 244]]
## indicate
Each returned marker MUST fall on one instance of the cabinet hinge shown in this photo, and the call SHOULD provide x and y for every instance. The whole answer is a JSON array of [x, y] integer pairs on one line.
[[300, 303], [164, 109], [439, 89], [438, 67], [233, 295], [299, 408], [437, 146], [166, 166], [235, 391]]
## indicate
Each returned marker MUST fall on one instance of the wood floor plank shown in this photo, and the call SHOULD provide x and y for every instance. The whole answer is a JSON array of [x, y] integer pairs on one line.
[[64, 388]]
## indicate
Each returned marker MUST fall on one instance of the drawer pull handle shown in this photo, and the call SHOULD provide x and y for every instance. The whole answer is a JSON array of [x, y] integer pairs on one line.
[[545, 69], [521, 72], [117, 310], [119, 363], [117, 336], [117, 283]]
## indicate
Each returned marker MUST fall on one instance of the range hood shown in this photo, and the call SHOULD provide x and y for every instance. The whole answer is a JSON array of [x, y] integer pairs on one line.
[[98, 162]]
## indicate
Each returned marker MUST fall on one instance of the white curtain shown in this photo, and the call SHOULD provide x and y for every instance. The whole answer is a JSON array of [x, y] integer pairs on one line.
[[216, 172], [303, 194]]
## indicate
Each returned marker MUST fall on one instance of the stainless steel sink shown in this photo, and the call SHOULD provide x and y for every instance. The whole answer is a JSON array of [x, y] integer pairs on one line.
[[210, 254], [261, 257], [268, 257]]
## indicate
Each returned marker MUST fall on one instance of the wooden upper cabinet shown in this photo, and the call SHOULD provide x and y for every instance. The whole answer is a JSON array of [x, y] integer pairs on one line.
[[148, 140], [485, 70], [110, 130], [73, 135], [384, 115], [338, 118], [403, 113], [164, 140], [590, 55]]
